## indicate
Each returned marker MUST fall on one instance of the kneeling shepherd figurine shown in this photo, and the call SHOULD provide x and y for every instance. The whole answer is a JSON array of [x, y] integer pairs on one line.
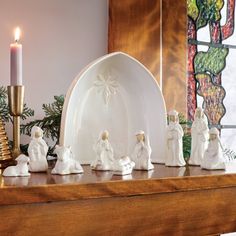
[[213, 158]]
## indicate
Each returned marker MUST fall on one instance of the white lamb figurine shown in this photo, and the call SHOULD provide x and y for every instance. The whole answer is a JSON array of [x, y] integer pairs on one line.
[[65, 163], [21, 169]]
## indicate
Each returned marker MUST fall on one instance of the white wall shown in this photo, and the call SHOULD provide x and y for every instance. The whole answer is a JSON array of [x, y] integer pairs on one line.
[[59, 38]]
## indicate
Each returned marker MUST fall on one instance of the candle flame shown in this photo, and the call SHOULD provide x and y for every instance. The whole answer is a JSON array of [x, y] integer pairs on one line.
[[17, 34]]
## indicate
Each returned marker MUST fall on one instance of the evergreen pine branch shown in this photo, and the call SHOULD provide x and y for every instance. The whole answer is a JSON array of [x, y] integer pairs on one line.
[[50, 123]]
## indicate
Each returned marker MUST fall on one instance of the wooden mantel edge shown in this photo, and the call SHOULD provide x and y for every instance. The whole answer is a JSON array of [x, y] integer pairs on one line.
[[69, 192]]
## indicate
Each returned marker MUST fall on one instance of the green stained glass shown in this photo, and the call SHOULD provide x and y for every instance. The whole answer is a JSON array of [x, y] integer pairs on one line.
[[209, 10], [212, 61], [192, 9]]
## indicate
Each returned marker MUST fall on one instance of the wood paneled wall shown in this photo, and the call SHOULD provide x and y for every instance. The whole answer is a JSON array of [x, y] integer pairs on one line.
[[147, 29], [134, 28]]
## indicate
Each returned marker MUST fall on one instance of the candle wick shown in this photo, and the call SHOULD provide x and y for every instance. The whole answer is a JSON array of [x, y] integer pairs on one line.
[[16, 41]]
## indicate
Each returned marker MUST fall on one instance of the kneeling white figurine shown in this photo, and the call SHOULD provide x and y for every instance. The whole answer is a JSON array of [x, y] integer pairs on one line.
[[37, 151], [142, 152], [123, 166], [65, 163], [104, 153], [21, 169], [175, 133], [213, 158]]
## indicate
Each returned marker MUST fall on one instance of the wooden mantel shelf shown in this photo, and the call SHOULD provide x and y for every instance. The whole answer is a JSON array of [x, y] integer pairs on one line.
[[167, 201]]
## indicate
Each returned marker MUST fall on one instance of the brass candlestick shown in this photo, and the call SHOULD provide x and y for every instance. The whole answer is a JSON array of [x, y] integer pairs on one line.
[[16, 103]]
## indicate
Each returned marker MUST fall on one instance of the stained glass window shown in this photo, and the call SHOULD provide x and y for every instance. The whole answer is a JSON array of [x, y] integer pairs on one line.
[[211, 63]]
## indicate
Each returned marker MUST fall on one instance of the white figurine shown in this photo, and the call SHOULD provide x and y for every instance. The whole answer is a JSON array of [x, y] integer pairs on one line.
[[104, 153], [175, 133], [123, 166], [213, 158], [142, 152], [37, 151], [199, 134], [65, 163], [21, 169]]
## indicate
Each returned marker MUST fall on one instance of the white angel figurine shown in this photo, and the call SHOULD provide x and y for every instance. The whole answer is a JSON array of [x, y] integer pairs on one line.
[[213, 157], [37, 151], [175, 133], [21, 169], [65, 162], [199, 134], [123, 166], [142, 152], [104, 153]]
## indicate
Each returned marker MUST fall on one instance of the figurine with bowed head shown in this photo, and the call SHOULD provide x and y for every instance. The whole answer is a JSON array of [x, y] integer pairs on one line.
[[175, 133], [213, 157], [37, 151], [65, 163], [21, 169], [104, 153], [142, 152], [123, 166], [199, 134]]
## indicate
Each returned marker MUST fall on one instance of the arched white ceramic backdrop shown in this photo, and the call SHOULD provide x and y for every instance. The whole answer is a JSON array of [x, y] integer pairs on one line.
[[115, 93]]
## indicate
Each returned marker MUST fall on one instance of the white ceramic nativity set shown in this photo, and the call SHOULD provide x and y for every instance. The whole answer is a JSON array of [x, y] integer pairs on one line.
[[102, 98]]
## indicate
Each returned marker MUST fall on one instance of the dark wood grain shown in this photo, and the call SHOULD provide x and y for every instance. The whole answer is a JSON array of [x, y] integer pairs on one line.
[[182, 213]]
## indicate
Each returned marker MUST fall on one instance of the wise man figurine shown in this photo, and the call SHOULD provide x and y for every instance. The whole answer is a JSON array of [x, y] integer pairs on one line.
[[213, 157], [37, 151], [104, 153], [199, 133], [142, 152], [175, 133]]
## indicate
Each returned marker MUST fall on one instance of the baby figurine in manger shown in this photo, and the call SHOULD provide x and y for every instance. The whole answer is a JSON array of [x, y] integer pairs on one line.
[[104, 153], [123, 166], [175, 133], [142, 152], [213, 157]]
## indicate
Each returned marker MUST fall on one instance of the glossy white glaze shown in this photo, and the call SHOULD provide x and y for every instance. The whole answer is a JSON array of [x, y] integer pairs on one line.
[[117, 93]]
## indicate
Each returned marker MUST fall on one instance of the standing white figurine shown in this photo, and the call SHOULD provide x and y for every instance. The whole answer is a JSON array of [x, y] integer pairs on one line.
[[104, 153], [123, 166], [21, 169], [213, 158], [65, 163], [37, 151], [175, 133], [199, 134], [142, 152]]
